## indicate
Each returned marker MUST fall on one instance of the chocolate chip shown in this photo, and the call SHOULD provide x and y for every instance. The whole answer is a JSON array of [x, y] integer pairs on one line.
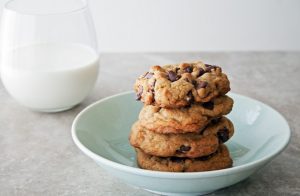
[[153, 85], [201, 72], [139, 93], [215, 120], [172, 76], [201, 84], [210, 67], [176, 70], [208, 105], [152, 90], [223, 135], [149, 75], [188, 69], [190, 97], [177, 159], [138, 97], [184, 148]]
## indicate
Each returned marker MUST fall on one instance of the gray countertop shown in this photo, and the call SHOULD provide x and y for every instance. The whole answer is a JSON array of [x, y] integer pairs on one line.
[[38, 156]]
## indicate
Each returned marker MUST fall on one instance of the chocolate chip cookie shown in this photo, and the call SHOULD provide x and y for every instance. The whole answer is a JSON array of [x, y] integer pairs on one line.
[[174, 86], [185, 119], [218, 160], [189, 145]]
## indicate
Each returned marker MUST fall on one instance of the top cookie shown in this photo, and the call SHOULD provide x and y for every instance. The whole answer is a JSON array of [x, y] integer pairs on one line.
[[174, 86]]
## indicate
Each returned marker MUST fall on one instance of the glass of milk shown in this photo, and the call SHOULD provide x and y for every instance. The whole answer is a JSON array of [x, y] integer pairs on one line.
[[48, 53]]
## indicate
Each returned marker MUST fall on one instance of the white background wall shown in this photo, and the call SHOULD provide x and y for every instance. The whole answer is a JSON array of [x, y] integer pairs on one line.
[[196, 25]]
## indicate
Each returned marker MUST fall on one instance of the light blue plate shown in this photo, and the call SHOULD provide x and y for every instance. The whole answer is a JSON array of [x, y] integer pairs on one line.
[[101, 131]]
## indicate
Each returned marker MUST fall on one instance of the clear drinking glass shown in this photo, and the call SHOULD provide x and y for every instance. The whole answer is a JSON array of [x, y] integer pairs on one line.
[[49, 57]]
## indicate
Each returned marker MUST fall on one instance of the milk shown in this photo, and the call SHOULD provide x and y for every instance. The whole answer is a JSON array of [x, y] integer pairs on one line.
[[49, 77]]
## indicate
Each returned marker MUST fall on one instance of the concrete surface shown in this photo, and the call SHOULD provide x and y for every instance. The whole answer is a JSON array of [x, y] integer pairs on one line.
[[38, 156]]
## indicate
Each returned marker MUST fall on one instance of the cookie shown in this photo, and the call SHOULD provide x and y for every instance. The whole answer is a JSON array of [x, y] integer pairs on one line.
[[185, 119], [218, 160], [174, 86], [190, 145]]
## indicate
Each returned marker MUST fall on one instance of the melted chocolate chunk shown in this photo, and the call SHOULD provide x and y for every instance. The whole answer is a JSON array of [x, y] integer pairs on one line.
[[210, 67], [215, 120], [208, 105], [190, 97], [223, 135], [139, 93], [201, 84], [183, 149], [201, 72], [153, 85], [194, 82], [172, 76], [138, 97], [188, 69], [149, 75]]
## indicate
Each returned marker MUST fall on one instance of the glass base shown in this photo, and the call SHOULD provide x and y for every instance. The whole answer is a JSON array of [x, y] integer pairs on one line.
[[54, 109]]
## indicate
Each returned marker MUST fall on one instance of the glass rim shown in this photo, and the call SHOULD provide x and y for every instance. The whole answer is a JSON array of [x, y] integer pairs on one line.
[[71, 11]]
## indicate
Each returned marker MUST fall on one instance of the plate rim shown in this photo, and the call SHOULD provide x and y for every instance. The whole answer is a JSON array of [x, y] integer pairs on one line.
[[176, 175]]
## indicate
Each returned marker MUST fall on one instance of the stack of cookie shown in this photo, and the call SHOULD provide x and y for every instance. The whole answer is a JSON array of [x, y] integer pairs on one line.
[[182, 127]]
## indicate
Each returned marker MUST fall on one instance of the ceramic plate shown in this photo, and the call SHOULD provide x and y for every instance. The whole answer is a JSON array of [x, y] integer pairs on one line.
[[101, 131]]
